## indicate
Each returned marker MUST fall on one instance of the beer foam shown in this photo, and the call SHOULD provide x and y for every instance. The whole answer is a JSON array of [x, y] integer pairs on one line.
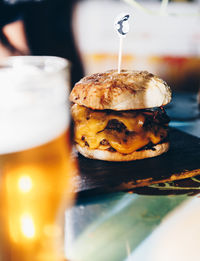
[[34, 107], [21, 130]]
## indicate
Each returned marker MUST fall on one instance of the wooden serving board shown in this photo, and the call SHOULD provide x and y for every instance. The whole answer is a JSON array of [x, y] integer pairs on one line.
[[182, 161]]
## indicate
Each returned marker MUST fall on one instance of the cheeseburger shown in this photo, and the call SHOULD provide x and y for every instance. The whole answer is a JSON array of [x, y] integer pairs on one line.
[[120, 116]]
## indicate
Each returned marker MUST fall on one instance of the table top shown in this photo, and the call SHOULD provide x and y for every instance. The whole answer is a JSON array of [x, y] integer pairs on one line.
[[136, 225]]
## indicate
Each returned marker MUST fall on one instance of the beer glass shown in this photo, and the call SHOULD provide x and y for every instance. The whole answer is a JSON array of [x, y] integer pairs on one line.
[[36, 167]]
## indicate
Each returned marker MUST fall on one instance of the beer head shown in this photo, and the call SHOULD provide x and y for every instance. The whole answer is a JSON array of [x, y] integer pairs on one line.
[[33, 101]]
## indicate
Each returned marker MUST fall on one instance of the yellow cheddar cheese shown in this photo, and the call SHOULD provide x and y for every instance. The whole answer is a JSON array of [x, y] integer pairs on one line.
[[90, 130]]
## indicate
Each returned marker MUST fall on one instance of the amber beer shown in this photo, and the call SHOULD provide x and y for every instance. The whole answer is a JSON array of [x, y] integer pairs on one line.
[[36, 169]]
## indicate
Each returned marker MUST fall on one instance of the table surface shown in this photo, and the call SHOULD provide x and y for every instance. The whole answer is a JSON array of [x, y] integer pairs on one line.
[[125, 226]]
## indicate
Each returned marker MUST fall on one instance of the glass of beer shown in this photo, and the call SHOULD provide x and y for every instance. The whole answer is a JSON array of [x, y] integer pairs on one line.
[[36, 166]]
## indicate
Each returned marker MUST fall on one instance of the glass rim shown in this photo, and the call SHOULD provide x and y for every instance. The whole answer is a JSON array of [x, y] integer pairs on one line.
[[57, 63], [28, 80]]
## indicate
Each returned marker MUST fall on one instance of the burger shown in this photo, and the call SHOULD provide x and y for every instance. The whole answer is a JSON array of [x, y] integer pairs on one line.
[[120, 116]]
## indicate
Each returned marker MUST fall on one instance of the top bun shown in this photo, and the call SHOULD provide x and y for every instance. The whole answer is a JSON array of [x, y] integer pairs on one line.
[[127, 90]]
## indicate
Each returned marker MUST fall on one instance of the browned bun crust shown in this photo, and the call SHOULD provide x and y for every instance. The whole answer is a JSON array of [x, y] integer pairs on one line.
[[116, 156], [127, 90]]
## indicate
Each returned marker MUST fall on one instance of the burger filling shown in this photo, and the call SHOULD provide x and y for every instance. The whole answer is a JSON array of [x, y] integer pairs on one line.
[[122, 131]]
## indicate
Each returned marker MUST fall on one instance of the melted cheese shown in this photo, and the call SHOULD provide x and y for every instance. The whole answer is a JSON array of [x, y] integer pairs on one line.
[[90, 129]]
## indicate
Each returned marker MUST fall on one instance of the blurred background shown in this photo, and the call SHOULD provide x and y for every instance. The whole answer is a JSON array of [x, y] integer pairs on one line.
[[164, 36], [167, 43]]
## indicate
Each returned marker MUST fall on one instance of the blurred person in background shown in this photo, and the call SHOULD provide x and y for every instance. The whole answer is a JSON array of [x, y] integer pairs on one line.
[[31, 27]]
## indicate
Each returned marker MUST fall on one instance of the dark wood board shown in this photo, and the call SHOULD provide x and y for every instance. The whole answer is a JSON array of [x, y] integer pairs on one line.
[[180, 162]]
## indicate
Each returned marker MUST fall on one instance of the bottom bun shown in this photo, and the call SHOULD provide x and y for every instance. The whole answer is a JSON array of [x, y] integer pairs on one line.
[[117, 156]]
